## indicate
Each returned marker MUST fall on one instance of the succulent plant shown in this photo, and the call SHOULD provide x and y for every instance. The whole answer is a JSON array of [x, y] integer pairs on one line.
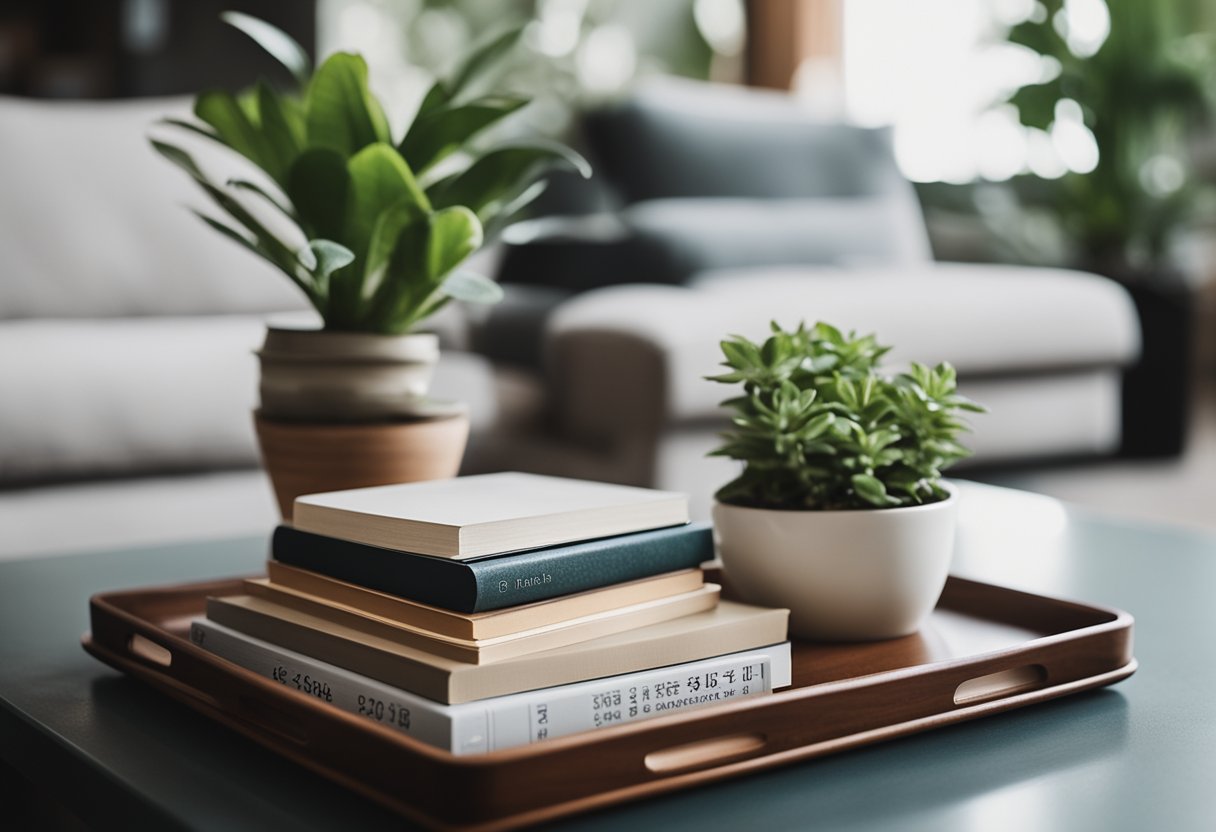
[[818, 427]]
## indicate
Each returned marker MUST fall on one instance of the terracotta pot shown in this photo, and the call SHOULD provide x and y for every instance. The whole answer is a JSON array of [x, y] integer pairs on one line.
[[304, 458], [854, 575], [315, 375]]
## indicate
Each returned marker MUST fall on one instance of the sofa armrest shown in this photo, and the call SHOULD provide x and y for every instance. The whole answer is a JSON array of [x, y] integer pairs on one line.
[[623, 361], [630, 360]]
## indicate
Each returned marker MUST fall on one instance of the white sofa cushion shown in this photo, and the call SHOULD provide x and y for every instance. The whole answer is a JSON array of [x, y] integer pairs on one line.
[[986, 320], [134, 395], [93, 222], [143, 511]]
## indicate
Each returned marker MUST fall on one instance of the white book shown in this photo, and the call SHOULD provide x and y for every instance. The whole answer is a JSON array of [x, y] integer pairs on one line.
[[517, 719], [487, 514]]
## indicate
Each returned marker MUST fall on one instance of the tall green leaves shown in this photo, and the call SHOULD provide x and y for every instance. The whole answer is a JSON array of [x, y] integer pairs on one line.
[[496, 184], [340, 111], [382, 251], [819, 428], [277, 43]]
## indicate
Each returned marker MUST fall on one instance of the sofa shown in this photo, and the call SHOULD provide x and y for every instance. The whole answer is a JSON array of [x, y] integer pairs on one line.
[[727, 208], [127, 328]]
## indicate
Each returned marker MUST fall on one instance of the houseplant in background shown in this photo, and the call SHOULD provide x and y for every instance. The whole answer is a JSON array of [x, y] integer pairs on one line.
[[373, 229], [840, 513], [1144, 91]]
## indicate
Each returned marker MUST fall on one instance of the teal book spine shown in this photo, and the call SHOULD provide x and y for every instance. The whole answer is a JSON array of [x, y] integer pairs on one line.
[[510, 580], [499, 581]]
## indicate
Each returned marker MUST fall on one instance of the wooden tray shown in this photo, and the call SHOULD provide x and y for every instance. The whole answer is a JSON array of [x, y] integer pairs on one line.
[[986, 649]]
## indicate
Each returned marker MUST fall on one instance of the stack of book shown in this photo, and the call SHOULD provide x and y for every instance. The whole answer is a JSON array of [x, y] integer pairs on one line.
[[492, 611]]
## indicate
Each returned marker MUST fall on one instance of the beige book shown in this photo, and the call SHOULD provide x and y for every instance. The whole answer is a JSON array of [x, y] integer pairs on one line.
[[727, 628], [487, 514], [478, 625], [487, 650]]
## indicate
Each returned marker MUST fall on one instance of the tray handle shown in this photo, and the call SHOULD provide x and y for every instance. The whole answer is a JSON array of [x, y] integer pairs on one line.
[[998, 685], [178, 668], [713, 751]]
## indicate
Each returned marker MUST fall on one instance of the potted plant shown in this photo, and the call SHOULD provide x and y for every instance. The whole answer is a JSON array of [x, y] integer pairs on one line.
[[372, 228], [840, 513], [1144, 91]]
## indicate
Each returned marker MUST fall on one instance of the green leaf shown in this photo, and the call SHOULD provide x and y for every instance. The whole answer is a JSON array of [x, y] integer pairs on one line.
[[442, 131], [494, 180], [329, 257], [455, 234], [827, 332], [379, 179], [500, 215], [816, 426], [280, 45], [399, 289], [178, 157], [471, 287], [386, 236], [318, 185], [468, 72], [219, 109], [481, 59], [735, 354], [340, 111], [254, 187], [228, 231], [283, 132], [266, 243], [436, 97], [193, 128], [872, 491]]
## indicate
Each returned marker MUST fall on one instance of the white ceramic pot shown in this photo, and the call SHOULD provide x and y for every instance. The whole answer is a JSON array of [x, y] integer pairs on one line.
[[314, 375], [844, 575]]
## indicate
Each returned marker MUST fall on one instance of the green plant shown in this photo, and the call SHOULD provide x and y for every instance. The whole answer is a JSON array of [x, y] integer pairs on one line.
[[819, 428], [381, 224], [1141, 93]]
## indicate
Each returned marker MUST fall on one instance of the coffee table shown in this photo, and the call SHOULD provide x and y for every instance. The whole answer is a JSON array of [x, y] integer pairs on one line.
[[80, 742]]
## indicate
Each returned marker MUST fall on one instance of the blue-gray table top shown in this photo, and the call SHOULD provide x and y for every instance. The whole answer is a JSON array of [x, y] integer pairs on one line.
[[1140, 755]]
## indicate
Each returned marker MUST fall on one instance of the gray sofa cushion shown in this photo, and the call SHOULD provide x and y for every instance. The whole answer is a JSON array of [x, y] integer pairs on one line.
[[675, 138], [717, 177], [700, 234]]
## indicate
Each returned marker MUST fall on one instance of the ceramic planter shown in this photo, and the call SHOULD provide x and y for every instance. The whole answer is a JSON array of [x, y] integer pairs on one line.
[[349, 410], [311, 375], [306, 458], [844, 575]]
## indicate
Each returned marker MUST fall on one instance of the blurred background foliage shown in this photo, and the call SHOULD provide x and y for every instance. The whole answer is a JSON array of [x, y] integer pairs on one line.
[[574, 52], [1138, 96]]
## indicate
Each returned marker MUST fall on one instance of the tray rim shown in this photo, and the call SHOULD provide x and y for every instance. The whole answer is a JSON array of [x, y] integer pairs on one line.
[[1118, 620], [1115, 620]]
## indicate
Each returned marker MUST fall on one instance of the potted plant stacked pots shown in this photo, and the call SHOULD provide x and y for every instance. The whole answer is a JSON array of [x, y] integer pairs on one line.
[[372, 228], [840, 513]]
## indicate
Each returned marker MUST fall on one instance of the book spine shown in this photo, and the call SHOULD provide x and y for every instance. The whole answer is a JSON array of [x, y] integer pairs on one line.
[[510, 580], [501, 581], [507, 721], [408, 713], [521, 719], [440, 582]]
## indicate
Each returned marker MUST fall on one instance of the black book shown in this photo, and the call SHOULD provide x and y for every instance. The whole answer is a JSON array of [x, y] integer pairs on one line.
[[498, 581]]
